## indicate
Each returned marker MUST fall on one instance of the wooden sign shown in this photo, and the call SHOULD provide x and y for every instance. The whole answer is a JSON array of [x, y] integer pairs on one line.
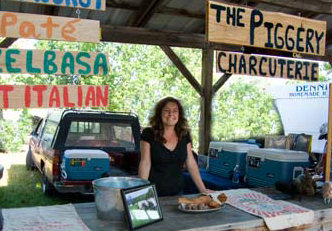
[[19, 25], [266, 66], [53, 96], [238, 25], [327, 166], [15, 61], [87, 4]]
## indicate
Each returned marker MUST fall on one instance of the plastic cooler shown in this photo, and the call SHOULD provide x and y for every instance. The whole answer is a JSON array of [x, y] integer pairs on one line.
[[84, 164], [266, 166], [223, 156]]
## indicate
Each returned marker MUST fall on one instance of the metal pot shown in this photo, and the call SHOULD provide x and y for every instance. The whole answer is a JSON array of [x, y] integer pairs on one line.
[[107, 192]]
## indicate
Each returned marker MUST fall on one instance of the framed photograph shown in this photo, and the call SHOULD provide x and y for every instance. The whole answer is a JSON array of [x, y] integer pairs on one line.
[[141, 206]]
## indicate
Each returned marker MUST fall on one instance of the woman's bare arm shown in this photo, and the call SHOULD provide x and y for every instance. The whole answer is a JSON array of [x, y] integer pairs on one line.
[[145, 163]]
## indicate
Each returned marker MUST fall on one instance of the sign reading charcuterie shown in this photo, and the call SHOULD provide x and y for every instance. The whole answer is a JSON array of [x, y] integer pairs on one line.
[[53, 96], [266, 66], [15, 61], [20, 25], [239, 25], [88, 4]]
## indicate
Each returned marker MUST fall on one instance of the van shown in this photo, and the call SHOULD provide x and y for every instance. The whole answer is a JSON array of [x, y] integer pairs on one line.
[[73, 147]]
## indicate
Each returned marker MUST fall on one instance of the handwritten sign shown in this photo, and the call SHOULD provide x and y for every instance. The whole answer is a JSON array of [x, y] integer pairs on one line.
[[266, 66], [53, 96], [88, 4], [15, 61], [19, 25], [238, 25]]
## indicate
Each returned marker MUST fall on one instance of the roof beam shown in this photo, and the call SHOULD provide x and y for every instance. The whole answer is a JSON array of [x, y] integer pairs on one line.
[[7, 42], [182, 68], [300, 5], [220, 82]]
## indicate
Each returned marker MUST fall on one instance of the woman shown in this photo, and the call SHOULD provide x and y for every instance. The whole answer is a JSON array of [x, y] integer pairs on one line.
[[165, 148]]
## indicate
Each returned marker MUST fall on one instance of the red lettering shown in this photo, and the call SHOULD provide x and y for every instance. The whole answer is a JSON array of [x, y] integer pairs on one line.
[[100, 98], [66, 102], [54, 96], [90, 97], [27, 96], [5, 89], [39, 89], [79, 96], [8, 19]]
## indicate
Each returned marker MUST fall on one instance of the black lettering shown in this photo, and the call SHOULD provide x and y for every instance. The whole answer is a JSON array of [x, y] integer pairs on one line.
[[278, 38], [242, 65], [218, 8], [239, 17], [290, 64], [252, 65], [288, 46], [231, 15], [299, 39], [219, 61], [232, 65], [318, 38], [298, 69], [269, 27], [282, 63], [308, 44], [254, 24], [314, 72], [263, 59], [306, 65], [273, 70]]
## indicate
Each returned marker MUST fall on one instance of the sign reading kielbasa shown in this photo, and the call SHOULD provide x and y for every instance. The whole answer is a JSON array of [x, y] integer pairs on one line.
[[266, 66], [238, 25], [87, 4], [53, 96], [14, 61], [20, 25]]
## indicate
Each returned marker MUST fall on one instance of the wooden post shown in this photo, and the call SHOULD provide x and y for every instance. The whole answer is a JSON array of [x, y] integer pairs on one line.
[[329, 138], [206, 101]]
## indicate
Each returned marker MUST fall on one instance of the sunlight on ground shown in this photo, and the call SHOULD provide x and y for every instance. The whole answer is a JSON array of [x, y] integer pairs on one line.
[[7, 159]]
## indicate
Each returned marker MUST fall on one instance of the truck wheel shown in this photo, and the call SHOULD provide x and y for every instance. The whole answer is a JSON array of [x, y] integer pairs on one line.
[[30, 165], [47, 187]]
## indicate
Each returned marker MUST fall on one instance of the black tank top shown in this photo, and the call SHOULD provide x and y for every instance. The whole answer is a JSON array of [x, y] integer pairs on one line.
[[166, 165]]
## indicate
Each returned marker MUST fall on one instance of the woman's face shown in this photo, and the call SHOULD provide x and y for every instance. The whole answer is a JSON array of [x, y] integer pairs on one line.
[[170, 114]]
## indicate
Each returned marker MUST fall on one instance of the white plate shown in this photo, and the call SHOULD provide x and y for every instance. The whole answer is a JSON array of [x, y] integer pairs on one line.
[[199, 211]]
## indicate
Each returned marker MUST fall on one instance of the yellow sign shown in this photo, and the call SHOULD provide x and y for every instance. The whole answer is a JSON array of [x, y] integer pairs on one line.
[[238, 25]]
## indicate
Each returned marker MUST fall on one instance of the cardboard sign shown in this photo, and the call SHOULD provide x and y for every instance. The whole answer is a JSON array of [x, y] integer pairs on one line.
[[53, 96], [238, 25], [14, 61], [88, 4], [19, 25], [266, 66]]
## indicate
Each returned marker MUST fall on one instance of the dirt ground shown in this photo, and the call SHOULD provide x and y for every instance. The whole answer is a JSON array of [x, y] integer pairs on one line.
[[7, 159]]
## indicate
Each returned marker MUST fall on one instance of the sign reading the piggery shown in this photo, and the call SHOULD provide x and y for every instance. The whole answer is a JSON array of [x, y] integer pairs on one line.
[[266, 66], [15, 61], [53, 96], [88, 4], [20, 25], [239, 25]]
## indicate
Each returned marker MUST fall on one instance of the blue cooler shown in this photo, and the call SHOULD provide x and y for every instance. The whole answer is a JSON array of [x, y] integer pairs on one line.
[[223, 156], [84, 164], [266, 166]]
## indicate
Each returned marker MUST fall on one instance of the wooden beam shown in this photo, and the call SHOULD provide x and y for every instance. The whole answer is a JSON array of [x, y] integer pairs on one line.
[[220, 82], [206, 101], [182, 68], [317, 7], [7, 42]]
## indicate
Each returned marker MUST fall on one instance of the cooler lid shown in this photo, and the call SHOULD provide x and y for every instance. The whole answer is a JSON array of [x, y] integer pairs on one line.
[[232, 146], [85, 153], [281, 155]]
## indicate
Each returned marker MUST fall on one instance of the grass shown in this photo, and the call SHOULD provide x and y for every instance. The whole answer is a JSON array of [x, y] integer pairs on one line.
[[24, 190]]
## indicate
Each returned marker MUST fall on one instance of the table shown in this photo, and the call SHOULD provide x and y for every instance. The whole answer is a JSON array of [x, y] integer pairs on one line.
[[225, 219]]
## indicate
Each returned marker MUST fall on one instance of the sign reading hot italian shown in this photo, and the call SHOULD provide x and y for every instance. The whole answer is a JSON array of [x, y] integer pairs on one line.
[[53, 96], [238, 25], [87, 4], [20, 25], [266, 66], [14, 61]]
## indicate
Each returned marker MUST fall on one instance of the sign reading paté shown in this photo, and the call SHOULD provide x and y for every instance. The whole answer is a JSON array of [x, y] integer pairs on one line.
[[20, 25], [88, 4], [15, 61], [53, 96], [266, 66], [238, 25]]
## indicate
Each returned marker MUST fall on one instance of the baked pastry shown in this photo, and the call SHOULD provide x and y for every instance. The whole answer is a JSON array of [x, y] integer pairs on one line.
[[213, 204], [195, 200], [222, 197]]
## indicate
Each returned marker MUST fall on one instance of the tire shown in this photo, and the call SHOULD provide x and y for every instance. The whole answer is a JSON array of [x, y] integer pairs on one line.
[[30, 165], [47, 187]]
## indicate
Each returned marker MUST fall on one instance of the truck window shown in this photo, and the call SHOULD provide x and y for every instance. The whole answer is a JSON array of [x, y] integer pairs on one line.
[[49, 132]]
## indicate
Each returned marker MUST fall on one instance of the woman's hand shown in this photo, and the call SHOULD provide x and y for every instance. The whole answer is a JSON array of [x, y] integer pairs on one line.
[[208, 191]]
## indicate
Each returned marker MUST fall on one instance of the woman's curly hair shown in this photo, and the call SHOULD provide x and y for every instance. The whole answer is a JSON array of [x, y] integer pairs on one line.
[[181, 127]]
